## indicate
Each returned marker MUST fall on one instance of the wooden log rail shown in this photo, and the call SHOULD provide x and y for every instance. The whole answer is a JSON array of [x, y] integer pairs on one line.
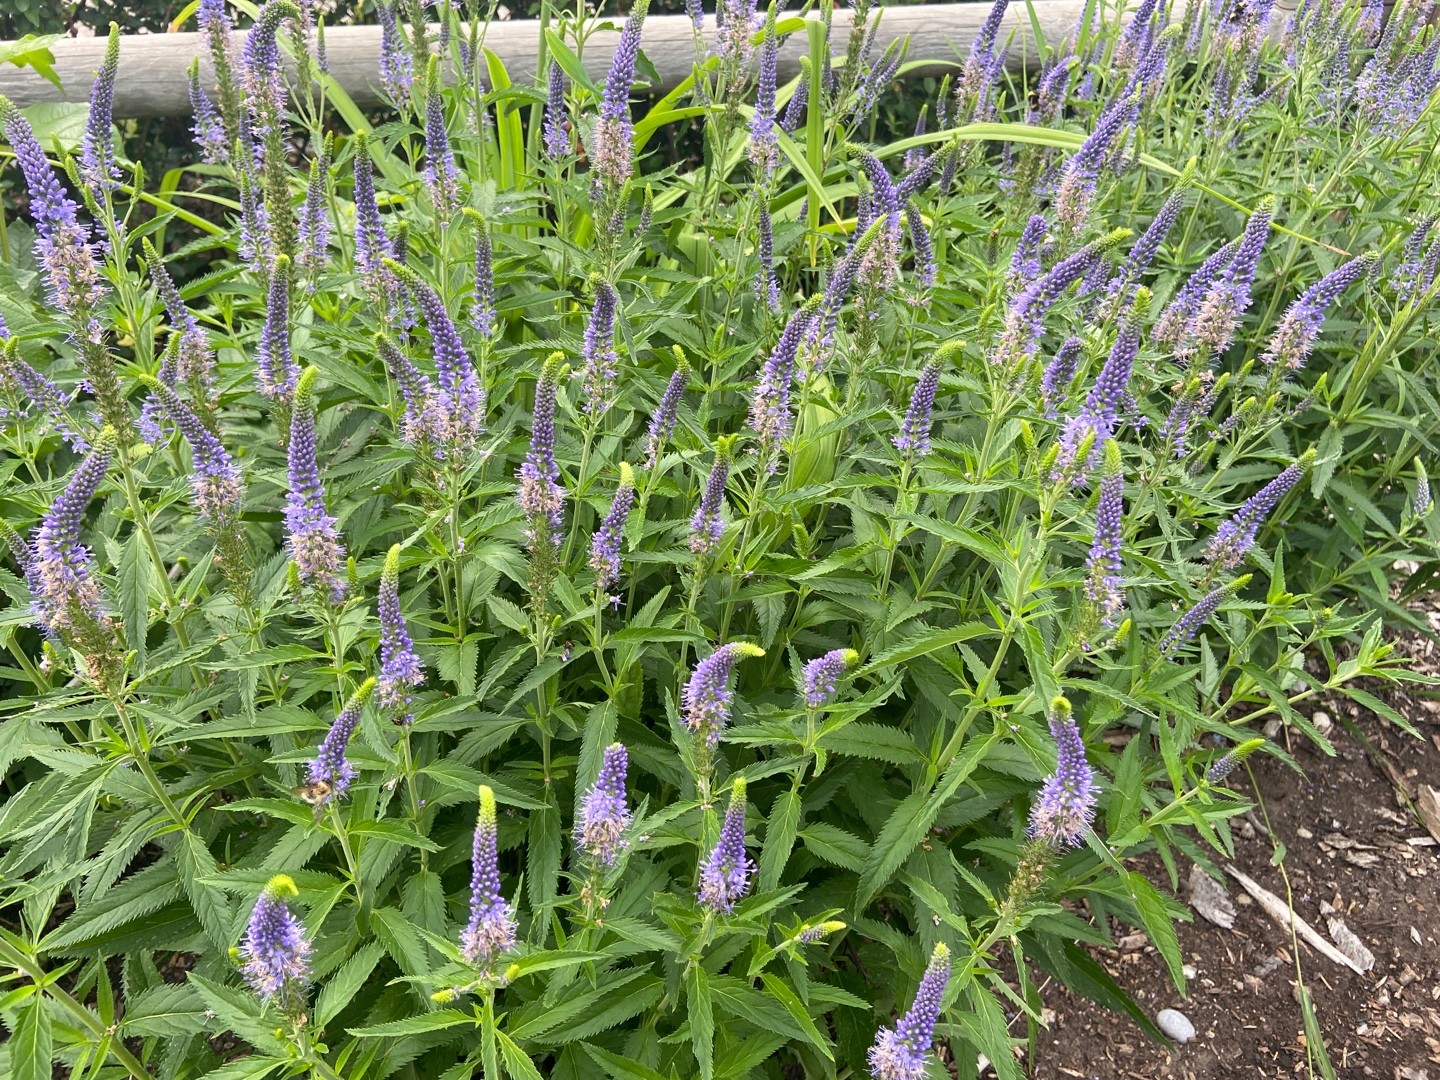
[[153, 77]]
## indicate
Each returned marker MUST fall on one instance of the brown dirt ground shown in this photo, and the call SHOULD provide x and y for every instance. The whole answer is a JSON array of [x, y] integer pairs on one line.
[[1350, 841]]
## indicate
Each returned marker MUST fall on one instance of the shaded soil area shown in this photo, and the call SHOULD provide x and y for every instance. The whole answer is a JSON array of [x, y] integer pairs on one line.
[[1356, 848]]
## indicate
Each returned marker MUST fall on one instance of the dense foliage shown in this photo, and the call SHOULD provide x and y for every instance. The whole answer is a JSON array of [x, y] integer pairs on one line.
[[536, 609]]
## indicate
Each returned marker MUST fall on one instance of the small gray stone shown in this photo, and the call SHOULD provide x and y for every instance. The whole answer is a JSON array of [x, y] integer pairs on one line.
[[1176, 1025]]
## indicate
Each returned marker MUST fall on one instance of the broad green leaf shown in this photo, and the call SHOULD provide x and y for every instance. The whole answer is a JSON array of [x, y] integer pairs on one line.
[[32, 1042]]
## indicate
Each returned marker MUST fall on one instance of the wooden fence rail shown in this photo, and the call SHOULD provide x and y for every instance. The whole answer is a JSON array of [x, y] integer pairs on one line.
[[153, 79]]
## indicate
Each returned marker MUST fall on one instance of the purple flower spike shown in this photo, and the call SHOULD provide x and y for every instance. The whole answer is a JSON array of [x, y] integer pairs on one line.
[[1103, 585], [1298, 328], [34, 393], [400, 666], [98, 170], [371, 244], [707, 526], [194, 359], [314, 224], [611, 155], [770, 404], [62, 244], [275, 368], [735, 21], [1077, 182], [482, 315], [901, 1052], [1174, 325], [397, 66], [66, 596], [707, 697], [459, 406], [603, 818], [725, 874], [1025, 319], [795, 107], [312, 534], [540, 495], [1234, 538], [763, 145], [275, 950], [821, 676], [767, 288], [1055, 382], [492, 928], [209, 126], [913, 442], [1025, 263], [1213, 328], [662, 422], [1417, 268], [557, 129], [1144, 249], [330, 771], [1066, 805], [599, 376], [1099, 417], [214, 477], [441, 177], [1190, 624], [605, 545]]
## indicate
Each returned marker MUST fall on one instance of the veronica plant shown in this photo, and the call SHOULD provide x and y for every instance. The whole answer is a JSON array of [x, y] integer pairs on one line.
[[573, 582]]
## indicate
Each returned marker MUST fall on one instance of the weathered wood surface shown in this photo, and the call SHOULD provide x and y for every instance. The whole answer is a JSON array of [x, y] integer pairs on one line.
[[153, 78]]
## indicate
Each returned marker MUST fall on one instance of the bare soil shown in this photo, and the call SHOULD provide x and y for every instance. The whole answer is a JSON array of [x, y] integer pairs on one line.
[[1354, 837]]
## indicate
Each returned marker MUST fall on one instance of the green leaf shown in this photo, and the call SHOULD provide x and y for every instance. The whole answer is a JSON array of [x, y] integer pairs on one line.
[[569, 62], [702, 1020], [342, 986], [543, 865], [517, 1063], [779, 838], [32, 1042], [169, 1009], [783, 994], [923, 644], [911, 820], [439, 1020], [620, 1068], [211, 906], [1158, 925], [400, 940]]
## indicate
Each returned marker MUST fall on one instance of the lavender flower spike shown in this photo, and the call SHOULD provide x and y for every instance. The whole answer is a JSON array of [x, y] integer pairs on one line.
[[400, 666], [275, 950], [1055, 380], [492, 928], [1190, 624], [441, 177], [1423, 501], [1103, 587], [397, 66], [62, 244], [540, 495], [1234, 538], [662, 421], [62, 578], [275, 367], [605, 545], [762, 149], [482, 315], [557, 131], [901, 1052], [611, 155], [599, 376], [1066, 805], [1025, 262], [311, 533], [707, 697], [1298, 328], [371, 244], [1223, 766], [913, 442], [34, 393], [603, 818], [314, 225], [707, 526], [215, 479], [1213, 328], [1173, 326], [98, 170], [460, 412], [820, 677], [770, 404], [330, 771], [725, 874]]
